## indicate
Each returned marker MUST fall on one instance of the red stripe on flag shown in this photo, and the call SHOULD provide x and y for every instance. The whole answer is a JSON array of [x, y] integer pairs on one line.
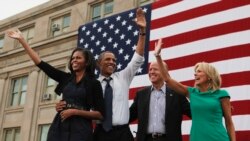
[[235, 79], [220, 29], [228, 80], [132, 92], [185, 117], [209, 56], [241, 107], [197, 12], [185, 137], [163, 3], [243, 135]]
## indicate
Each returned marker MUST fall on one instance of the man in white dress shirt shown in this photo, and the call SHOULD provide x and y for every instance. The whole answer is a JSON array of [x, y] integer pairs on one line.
[[119, 82]]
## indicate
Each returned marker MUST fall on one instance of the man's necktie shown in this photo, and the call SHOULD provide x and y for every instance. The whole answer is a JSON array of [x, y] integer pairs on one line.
[[108, 96]]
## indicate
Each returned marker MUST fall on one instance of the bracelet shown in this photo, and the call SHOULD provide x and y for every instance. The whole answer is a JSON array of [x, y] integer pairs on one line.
[[142, 34], [157, 55]]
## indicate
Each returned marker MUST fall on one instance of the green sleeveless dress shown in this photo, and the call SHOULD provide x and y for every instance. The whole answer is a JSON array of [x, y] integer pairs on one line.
[[207, 115]]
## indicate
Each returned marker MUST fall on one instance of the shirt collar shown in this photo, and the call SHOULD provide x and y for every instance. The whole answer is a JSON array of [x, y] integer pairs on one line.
[[101, 77], [163, 88]]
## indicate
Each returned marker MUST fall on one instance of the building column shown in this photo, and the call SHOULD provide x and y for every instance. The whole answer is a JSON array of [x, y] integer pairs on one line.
[[2, 104], [29, 106], [2, 81]]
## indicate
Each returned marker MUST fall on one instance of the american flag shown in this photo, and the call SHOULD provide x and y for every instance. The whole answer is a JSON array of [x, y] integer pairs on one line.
[[119, 34], [215, 31]]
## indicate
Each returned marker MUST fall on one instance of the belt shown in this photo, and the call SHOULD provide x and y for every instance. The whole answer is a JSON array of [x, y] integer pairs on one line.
[[74, 106], [120, 126], [156, 135], [116, 127]]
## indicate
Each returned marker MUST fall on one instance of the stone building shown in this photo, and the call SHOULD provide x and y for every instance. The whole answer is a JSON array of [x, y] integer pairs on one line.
[[27, 98]]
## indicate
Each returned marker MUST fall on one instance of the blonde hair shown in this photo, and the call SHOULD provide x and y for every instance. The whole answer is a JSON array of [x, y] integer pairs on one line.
[[212, 74]]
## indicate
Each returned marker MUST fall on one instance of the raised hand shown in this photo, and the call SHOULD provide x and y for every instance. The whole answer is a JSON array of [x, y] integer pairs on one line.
[[158, 46], [18, 35], [140, 18], [15, 34]]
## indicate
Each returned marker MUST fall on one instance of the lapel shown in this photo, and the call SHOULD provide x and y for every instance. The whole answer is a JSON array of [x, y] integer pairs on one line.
[[146, 105], [169, 99], [147, 100]]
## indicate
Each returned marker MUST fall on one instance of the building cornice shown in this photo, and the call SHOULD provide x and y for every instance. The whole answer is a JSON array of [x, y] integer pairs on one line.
[[34, 13]]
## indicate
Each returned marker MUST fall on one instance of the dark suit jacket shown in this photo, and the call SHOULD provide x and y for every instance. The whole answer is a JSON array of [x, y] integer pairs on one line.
[[176, 106]]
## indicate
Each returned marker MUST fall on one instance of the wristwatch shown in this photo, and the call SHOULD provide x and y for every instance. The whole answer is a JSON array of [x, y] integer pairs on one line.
[[142, 33]]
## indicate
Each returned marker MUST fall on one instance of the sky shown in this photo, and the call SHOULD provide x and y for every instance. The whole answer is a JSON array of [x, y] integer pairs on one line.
[[9, 8]]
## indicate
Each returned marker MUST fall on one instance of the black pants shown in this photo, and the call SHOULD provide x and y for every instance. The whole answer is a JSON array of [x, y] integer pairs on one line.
[[118, 133], [148, 138]]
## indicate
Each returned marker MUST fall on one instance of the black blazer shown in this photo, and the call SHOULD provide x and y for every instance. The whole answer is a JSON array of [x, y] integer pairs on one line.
[[94, 98], [176, 106]]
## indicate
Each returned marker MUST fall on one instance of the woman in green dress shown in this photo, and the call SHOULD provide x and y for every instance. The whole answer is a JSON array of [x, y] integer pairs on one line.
[[209, 104]]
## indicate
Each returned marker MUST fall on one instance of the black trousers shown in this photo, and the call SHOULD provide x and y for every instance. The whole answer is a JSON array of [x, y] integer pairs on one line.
[[118, 133], [149, 138]]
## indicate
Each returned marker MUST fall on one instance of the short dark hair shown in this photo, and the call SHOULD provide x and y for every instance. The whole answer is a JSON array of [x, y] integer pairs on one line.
[[89, 59], [102, 54]]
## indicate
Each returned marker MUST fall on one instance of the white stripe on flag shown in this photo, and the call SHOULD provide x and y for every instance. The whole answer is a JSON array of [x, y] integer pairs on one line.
[[239, 93], [223, 67], [179, 7], [218, 42], [201, 22], [241, 122]]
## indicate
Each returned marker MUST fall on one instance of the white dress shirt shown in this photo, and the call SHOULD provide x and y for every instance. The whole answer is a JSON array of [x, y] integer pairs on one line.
[[120, 83], [157, 106]]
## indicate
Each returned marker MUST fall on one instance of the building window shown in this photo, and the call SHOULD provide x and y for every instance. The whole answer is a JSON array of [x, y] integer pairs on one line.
[[12, 134], [43, 131], [19, 88], [60, 25], [1, 42], [28, 35], [50, 86], [50, 94], [101, 10], [144, 2]]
